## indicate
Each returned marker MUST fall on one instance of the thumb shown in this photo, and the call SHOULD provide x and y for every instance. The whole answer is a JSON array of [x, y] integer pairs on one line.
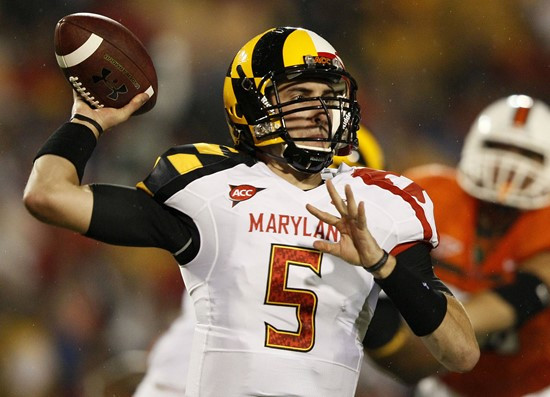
[[326, 247], [136, 102]]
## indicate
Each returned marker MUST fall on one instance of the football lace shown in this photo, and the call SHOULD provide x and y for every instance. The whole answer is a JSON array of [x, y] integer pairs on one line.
[[84, 93]]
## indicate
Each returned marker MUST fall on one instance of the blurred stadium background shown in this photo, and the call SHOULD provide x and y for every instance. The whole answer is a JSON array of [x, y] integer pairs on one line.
[[76, 315]]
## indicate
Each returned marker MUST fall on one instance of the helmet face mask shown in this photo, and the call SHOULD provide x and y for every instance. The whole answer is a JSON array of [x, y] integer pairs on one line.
[[261, 113], [506, 156]]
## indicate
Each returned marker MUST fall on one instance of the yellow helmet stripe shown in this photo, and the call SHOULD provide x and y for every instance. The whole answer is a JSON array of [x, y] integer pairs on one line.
[[296, 45]]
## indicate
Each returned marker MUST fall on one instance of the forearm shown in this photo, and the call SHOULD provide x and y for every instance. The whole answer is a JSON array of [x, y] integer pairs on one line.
[[489, 313], [451, 343], [430, 310], [448, 348], [54, 195], [509, 306]]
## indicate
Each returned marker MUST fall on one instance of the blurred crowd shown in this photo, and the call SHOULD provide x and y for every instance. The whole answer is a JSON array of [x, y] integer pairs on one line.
[[76, 314]]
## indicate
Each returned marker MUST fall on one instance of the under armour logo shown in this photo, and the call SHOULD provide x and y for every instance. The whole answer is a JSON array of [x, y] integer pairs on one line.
[[115, 91]]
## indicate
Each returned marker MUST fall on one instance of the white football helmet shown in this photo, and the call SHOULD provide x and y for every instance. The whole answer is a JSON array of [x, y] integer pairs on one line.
[[506, 154]]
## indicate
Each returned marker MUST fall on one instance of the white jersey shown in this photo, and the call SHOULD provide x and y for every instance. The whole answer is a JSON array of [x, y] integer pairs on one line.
[[275, 317], [168, 360]]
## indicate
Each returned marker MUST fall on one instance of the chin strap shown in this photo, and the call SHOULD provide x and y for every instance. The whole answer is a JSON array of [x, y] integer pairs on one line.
[[296, 158], [295, 164]]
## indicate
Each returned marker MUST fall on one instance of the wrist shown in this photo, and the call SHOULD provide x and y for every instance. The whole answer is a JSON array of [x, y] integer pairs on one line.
[[385, 270], [417, 298], [383, 267], [72, 141], [87, 122]]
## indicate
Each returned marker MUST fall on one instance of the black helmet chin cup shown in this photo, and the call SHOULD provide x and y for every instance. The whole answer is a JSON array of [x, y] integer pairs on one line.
[[306, 160]]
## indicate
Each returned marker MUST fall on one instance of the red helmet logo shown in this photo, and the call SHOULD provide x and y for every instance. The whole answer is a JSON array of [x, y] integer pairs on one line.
[[242, 193]]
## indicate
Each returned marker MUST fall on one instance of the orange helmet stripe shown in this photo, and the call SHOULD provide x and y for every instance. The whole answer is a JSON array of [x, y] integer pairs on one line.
[[520, 118]]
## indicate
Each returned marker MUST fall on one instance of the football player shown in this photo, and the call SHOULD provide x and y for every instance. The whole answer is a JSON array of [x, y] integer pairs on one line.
[[169, 357], [283, 262], [492, 214]]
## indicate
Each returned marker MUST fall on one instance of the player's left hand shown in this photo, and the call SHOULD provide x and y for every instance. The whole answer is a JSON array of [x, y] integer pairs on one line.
[[357, 246]]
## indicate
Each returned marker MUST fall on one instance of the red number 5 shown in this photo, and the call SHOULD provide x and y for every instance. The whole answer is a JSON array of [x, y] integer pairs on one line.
[[279, 294]]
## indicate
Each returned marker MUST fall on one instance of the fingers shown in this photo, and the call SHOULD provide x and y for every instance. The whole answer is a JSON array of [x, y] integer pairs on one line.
[[322, 215], [361, 216], [124, 113], [336, 199], [351, 206], [109, 117], [347, 209]]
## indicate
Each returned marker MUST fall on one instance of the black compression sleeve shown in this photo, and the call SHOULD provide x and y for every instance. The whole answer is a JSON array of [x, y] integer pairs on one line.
[[418, 259], [416, 291], [74, 142], [130, 217]]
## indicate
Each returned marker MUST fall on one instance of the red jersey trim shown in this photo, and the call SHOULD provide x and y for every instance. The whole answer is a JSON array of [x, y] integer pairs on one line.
[[402, 247], [378, 178]]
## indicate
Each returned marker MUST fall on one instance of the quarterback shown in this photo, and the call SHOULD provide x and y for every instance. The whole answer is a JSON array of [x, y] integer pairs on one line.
[[282, 257], [168, 359]]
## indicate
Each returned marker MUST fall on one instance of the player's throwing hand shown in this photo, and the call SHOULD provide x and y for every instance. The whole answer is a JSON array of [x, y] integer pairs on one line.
[[106, 117]]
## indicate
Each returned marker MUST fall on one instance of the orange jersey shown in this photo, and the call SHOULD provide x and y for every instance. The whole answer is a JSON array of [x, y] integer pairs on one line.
[[527, 370]]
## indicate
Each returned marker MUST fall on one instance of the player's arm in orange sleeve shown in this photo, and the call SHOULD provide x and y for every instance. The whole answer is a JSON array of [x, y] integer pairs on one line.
[[511, 305]]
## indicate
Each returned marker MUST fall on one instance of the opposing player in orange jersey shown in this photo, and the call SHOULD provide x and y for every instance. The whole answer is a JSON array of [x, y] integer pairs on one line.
[[492, 214]]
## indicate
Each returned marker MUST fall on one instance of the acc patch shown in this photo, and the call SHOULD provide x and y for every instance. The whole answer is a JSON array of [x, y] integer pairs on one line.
[[242, 193]]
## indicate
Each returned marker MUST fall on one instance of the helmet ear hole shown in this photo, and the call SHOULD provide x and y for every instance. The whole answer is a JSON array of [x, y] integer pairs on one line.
[[237, 111]]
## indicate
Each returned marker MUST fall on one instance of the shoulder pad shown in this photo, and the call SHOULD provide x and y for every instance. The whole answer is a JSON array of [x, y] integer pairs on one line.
[[371, 175], [180, 165], [408, 191]]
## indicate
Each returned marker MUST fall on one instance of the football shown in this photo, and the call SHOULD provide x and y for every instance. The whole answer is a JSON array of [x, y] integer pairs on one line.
[[104, 61]]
